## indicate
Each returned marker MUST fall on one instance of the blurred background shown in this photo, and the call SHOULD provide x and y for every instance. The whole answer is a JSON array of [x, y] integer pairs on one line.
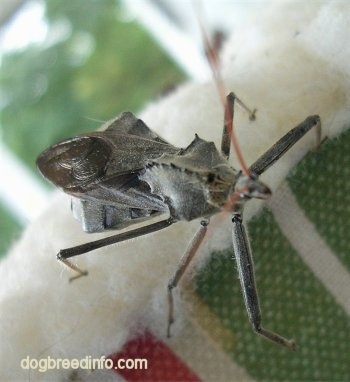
[[66, 67]]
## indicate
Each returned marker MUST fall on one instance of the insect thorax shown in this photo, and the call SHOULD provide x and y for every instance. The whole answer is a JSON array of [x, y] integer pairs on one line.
[[194, 183], [189, 194]]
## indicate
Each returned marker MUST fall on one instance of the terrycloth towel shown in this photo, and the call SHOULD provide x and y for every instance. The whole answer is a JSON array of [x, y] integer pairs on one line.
[[291, 61]]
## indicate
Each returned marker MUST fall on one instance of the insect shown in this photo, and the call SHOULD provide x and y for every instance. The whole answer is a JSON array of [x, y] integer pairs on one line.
[[128, 174]]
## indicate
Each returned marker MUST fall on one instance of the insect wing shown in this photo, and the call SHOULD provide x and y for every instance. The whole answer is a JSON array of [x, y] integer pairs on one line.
[[105, 165]]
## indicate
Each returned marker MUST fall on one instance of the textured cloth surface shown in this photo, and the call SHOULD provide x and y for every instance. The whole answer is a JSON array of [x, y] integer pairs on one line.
[[297, 299], [304, 289], [288, 62]]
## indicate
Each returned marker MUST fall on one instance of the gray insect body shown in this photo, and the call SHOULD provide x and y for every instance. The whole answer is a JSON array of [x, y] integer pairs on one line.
[[194, 183], [128, 174]]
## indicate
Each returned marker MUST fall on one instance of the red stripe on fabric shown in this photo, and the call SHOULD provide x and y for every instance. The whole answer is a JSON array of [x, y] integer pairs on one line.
[[162, 363]]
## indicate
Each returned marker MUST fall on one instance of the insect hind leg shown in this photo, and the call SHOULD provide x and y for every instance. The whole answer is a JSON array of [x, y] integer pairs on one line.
[[72, 266], [64, 254]]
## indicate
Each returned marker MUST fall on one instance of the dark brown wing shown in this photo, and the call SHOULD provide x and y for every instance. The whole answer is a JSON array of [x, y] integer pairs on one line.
[[105, 165]]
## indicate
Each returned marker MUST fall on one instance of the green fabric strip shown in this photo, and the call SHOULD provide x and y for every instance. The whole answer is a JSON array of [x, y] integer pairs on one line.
[[321, 185], [294, 303]]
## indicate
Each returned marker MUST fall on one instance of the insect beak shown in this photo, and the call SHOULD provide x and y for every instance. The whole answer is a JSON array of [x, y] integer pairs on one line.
[[262, 192], [250, 187]]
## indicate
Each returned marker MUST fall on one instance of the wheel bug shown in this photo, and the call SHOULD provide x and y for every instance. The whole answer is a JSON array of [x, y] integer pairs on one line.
[[127, 174]]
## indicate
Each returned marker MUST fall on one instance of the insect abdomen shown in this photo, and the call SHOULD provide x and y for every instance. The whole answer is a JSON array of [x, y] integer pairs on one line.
[[96, 217]]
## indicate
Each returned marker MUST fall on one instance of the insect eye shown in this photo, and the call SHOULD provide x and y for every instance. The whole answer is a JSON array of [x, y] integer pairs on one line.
[[210, 178]]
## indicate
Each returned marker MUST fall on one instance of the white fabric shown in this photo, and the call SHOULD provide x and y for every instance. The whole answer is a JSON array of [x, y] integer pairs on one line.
[[291, 61]]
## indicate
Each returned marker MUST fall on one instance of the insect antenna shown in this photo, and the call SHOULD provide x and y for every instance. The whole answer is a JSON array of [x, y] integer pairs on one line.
[[226, 100]]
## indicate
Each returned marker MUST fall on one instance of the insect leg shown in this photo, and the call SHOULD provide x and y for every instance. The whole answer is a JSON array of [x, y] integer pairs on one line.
[[245, 267], [64, 254], [184, 262], [285, 143], [228, 125], [228, 122]]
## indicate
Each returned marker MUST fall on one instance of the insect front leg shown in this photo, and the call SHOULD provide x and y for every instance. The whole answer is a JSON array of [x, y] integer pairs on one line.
[[228, 122], [285, 143], [245, 267], [64, 254], [184, 262]]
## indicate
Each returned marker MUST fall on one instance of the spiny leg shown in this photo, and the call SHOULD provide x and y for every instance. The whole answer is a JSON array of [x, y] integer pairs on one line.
[[245, 267], [285, 143], [184, 262], [64, 254]]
